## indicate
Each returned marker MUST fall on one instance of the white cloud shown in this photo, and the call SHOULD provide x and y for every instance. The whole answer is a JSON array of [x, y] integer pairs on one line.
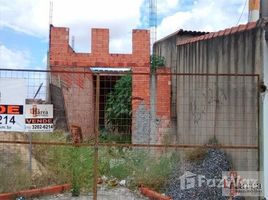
[[28, 16], [32, 17], [14, 58], [166, 6], [205, 15]]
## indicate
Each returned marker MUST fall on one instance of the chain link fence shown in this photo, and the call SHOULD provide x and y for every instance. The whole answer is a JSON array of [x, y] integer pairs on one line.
[[113, 127]]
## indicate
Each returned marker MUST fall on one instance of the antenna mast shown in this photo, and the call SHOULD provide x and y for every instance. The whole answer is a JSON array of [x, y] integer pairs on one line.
[[73, 40], [50, 12], [153, 21]]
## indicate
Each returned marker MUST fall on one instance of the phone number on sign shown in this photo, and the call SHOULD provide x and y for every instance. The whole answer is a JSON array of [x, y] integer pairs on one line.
[[7, 119], [47, 126]]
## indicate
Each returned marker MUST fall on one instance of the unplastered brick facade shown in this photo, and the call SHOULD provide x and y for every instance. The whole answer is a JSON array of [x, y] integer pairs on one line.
[[78, 89]]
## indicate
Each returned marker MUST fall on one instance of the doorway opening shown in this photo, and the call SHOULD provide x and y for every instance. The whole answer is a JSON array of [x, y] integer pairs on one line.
[[115, 108]]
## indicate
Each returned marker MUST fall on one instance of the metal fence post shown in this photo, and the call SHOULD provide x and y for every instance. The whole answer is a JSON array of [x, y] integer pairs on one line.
[[95, 170]]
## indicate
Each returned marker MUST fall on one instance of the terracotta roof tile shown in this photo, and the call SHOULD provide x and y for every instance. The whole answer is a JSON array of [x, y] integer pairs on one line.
[[234, 30], [206, 36], [251, 25], [211, 35], [202, 37], [216, 34], [242, 27], [226, 32]]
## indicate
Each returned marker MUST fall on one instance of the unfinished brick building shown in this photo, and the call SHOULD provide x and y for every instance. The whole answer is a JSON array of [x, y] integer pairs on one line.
[[78, 88]]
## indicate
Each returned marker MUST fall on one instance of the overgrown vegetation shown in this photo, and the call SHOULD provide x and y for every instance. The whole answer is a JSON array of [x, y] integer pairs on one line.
[[118, 106], [137, 166], [106, 136], [66, 164], [61, 164], [156, 62], [71, 164]]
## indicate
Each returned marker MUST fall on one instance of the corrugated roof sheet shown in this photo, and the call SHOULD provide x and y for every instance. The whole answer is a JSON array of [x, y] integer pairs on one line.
[[182, 32], [225, 32], [109, 69]]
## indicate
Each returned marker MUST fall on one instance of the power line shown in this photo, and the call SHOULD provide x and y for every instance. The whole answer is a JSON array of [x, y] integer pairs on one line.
[[242, 12]]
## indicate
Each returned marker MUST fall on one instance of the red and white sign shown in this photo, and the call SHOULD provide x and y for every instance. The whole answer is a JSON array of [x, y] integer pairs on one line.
[[12, 103], [39, 118]]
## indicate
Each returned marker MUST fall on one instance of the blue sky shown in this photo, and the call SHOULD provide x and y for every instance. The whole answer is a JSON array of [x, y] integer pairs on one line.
[[24, 23]]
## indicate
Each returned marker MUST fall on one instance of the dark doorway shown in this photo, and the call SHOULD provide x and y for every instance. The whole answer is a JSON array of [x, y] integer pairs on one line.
[[106, 86], [118, 128]]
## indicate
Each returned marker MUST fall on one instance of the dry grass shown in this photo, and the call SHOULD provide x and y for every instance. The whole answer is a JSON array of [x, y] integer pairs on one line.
[[50, 165], [196, 154], [14, 174]]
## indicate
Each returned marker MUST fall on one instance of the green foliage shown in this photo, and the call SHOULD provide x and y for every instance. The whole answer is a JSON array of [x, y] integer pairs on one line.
[[118, 106], [106, 136], [138, 166], [156, 62], [70, 164], [76, 170], [65, 164]]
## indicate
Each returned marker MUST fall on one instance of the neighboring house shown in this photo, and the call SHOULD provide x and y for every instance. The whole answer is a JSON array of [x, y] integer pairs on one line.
[[223, 106]]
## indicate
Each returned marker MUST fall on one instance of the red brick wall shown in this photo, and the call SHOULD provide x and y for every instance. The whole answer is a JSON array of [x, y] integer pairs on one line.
[[61, 54], [163, 103], [163, 93], [79, 90], [78, 93]]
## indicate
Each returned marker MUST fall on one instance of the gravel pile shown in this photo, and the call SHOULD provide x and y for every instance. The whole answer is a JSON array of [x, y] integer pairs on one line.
[[185, 184]]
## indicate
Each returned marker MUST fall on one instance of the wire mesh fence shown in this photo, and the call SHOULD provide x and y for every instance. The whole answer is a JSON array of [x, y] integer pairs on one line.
[[113, 126]]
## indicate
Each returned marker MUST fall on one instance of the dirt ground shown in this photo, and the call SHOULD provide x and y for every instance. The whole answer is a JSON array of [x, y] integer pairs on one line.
[[20, 150]]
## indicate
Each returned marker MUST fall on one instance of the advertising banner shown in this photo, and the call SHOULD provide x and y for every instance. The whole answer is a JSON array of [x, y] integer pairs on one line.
[[39, 118], [13, 93]]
